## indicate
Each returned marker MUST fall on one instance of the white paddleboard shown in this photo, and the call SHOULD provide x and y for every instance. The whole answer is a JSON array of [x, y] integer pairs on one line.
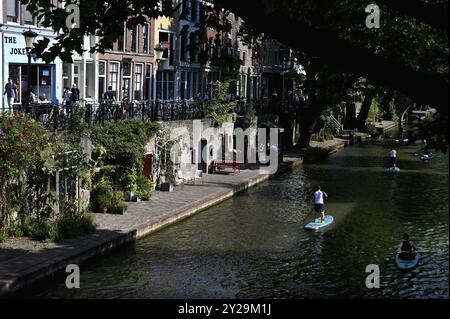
[[407, 264], [317, 224], [392, 170]]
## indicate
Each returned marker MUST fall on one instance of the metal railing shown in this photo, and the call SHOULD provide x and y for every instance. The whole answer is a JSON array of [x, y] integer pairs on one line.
[[335, 125], [58, 117]]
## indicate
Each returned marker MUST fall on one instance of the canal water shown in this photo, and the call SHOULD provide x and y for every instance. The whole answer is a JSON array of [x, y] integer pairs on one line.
[[254, 245]]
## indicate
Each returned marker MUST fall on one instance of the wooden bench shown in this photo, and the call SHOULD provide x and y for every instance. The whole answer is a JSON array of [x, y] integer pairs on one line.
[[219, 165]]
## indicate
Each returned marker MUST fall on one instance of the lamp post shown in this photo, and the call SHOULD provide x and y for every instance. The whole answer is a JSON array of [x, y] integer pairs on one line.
[[29, 36], [159, 51]]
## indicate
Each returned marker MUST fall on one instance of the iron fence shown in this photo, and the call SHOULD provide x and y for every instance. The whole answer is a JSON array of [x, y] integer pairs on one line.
[[58, 117]]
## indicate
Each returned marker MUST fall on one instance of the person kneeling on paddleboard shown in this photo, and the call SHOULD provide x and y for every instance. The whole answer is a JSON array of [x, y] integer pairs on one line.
[[393, 157], [407, 249], [318, 202]]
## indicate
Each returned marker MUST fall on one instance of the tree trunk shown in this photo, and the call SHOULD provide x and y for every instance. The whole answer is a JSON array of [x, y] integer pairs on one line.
[[306, 130], [385, 105], [365, 108], [350, 113], [309, 121]]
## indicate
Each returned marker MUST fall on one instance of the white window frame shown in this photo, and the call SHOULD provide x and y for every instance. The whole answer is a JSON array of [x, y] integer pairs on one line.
[[117, 90], [105, 84], [135, 84], [18, 15], [146, 31]]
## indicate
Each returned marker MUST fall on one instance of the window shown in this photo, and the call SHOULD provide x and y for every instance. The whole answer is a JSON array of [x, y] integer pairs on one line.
[[138, 82], [194, 10], [121, 45], [148, 87], [172, 45], [146, 34], [127, 67], [126, 87], [12, 11], [134, 39], [195, 90], [183, 85], [243, 85], [185, 8], [193, 47], [114, 77], [40, 80], [188, 85], [167, 40], [165, 43], [183, 45], [101, 79], [244, 56], [27, 16], [165, 85], [65, 75], [76, 74]]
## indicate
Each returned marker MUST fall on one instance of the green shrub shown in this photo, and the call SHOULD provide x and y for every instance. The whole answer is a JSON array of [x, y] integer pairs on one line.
[[69, 226], [3, 235], [101, 196], [123, 143], [248, 119], [117, 204], [15, 231], [328, 133], [144, 188], [66, 226], [129, 182], [324, 135], [371, 129], [107, 172], [39, 230]]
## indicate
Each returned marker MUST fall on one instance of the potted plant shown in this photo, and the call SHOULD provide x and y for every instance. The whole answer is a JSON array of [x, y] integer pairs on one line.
[[128, 182], [101, 196], [144, 188]]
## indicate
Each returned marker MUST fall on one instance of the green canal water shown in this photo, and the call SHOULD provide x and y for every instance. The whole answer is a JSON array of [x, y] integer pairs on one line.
[[254, 245]]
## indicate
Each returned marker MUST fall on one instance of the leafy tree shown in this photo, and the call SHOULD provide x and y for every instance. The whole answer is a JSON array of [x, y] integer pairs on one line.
[[218, 108]]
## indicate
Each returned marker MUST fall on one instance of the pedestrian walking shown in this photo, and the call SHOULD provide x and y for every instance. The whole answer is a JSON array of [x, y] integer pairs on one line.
[[11, 95], [75, 94]]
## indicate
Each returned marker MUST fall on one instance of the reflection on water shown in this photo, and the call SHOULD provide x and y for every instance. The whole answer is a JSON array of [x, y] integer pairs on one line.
[[254, 245]]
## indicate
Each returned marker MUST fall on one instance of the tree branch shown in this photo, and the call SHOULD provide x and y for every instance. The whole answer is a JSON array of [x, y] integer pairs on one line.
[[434, 14]]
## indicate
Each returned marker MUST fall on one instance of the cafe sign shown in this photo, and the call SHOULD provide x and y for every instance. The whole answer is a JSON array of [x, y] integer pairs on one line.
[[14, 49]]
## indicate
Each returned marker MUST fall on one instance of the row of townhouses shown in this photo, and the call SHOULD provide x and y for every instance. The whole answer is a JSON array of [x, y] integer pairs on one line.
[[131, 67]]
